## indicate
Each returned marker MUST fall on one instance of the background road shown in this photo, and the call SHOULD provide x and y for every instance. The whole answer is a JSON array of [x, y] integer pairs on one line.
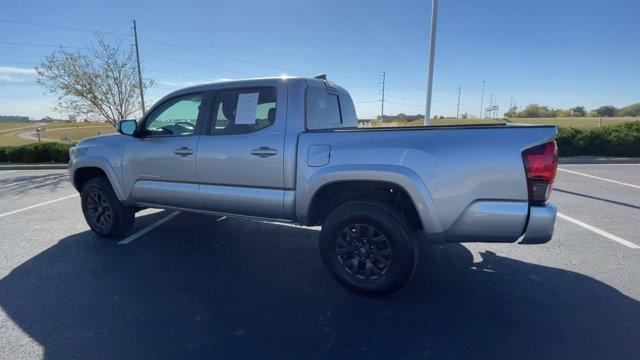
[[198, 286]]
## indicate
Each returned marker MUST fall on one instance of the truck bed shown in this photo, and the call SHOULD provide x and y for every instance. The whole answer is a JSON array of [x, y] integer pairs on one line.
[[472, 176]]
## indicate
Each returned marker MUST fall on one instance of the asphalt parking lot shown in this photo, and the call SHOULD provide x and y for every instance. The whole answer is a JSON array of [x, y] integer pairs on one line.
[[193, 286]]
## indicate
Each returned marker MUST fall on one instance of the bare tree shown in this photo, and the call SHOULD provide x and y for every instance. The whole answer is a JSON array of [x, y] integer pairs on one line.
[[99, 81]]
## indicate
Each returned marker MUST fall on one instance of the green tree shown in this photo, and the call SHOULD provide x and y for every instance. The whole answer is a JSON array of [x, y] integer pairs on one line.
[[512, 112], [578, 111], [99, 81], [530, 111], [606, 111], [631, 110], [565, 113]]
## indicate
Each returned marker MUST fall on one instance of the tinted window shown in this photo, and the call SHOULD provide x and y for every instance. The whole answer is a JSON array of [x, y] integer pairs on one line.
[[175, 117], [348, 111], [326, 109], [243, 111]]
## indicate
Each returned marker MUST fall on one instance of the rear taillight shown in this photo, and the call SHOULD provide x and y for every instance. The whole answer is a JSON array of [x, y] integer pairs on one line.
[[540, 164]]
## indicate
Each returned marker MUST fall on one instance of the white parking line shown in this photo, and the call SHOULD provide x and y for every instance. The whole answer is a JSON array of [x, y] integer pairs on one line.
[[599, 231], [37, 205], [7, 172], [134, 236], [600, 178]]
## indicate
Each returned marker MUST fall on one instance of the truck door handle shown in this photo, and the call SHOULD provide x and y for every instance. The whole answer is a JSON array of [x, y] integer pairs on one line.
[[264, 151], [183, 151]]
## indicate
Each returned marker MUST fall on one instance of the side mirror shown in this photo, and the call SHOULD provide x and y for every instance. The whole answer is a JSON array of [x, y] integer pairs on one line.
[[127, 127]]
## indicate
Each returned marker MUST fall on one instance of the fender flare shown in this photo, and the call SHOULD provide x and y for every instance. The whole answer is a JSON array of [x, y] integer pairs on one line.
[[102, 164], [398, 175]]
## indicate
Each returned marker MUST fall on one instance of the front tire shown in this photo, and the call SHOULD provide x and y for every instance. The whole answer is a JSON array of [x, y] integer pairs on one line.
[[368, 247], [104, 213]]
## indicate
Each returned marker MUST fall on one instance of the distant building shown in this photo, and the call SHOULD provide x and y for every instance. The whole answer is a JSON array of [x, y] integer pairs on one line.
[[47, 119], [12, 118]]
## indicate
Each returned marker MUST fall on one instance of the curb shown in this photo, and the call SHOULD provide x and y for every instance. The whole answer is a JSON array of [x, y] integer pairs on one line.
[[33, 166], [598, 160]]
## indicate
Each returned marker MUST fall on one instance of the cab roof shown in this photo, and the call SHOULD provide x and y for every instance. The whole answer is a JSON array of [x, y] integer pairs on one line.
[[311, 82]]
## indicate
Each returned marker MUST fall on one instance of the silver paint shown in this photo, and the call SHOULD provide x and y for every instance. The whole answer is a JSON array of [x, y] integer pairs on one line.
[[467, 183]]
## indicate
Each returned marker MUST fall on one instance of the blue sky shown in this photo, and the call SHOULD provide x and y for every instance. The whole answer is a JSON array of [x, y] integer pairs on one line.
[[559, 53]]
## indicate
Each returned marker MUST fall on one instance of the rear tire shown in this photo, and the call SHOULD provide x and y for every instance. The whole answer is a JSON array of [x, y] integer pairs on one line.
[[368, 247], [104, 213]]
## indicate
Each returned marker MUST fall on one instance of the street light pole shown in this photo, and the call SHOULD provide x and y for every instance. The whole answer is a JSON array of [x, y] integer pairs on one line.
[[432, 52]]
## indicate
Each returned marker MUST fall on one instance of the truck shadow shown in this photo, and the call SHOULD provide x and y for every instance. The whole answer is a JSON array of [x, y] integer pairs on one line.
[[196, 287], [15, 186]]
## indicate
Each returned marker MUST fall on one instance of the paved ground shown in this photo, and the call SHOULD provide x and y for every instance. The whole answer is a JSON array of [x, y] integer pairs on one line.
[[206, 287]]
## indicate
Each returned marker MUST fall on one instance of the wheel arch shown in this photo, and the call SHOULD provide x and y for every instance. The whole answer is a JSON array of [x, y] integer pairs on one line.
[[399, 178], [91, 168]]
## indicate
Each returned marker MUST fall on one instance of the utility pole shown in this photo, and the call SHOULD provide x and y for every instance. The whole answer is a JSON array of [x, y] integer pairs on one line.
[[432, 53], [495, 106], [482, 100], [489, 109], [458, 110], [384, 75], [135, 37]]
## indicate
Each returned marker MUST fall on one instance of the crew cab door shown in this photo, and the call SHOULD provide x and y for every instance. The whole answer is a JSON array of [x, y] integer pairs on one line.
[[159, 166], [240, 157]]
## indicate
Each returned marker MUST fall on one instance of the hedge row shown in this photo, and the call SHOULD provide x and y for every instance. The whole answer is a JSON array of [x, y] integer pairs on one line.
[[617, 140], [45, 152]]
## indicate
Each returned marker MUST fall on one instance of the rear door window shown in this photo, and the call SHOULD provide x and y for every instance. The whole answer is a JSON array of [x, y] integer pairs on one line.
[[242, 111]]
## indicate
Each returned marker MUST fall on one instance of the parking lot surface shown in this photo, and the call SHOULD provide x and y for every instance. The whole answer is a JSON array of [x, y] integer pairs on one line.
[[194, 286]]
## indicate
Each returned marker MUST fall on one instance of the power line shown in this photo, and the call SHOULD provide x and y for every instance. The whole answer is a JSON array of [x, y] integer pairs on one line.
[[173, 74], [165, 43], [406, 86], [34, 44], [362, 86], [368, 94], [64, 27], [421, 106], [441, 97], [182, 47], [16, 63], [163, 87], [405, 105], [198, 65], [216, 55]]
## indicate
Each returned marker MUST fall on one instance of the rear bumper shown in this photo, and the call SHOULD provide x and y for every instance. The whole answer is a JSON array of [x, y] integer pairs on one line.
[[540, 225]]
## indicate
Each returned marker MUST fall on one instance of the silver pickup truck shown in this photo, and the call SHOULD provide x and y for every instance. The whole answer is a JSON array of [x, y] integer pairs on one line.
[[289, 149]]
